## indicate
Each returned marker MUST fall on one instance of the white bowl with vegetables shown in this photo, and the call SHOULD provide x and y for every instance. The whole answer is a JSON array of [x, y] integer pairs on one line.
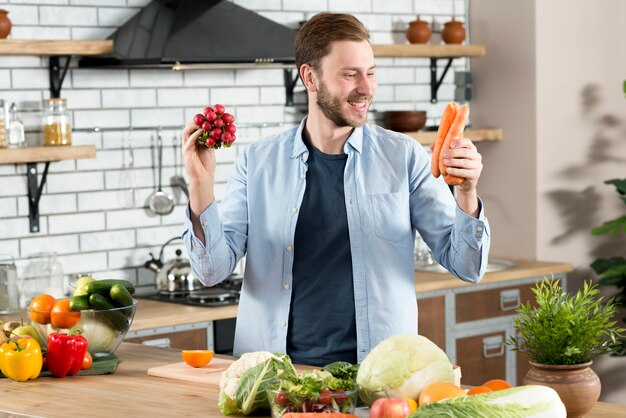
[[102, 311]]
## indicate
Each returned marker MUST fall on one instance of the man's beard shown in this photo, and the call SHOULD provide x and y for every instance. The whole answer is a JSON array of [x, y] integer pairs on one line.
[[331, 107]]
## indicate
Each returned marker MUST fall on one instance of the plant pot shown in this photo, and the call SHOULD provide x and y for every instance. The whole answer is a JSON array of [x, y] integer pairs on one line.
[[5, 24], [577, 385], [418, 32]]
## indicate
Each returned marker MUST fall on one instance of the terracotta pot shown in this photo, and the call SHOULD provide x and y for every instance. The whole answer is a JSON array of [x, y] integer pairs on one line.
[[577, 385], [453, 32], [418, 31], [5, 24]]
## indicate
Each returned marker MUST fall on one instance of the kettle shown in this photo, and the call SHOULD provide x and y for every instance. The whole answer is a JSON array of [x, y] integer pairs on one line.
[[175, 276]]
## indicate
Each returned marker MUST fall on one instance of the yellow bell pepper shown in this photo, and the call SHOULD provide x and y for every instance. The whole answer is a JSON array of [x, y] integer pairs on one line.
[[21, 359]]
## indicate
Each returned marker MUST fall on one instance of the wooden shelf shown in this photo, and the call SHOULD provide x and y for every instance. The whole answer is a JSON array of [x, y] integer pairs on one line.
[[429, 51], [45, 154], [56, 47], [476, 135]]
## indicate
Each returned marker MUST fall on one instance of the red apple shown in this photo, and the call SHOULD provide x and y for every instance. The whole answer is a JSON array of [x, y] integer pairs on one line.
[[390, 408]]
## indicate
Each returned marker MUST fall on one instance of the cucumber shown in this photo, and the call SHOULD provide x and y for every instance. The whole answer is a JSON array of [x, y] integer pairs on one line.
[[116, 318], [103, 287], [80, 303], [120, 295]]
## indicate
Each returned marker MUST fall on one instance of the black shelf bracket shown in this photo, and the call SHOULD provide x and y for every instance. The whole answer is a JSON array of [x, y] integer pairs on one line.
[[34, 193], [57, 74], [290, 85], [434, 83]]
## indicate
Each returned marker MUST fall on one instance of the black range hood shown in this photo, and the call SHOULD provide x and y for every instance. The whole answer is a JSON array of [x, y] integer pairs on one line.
[[167, 32]]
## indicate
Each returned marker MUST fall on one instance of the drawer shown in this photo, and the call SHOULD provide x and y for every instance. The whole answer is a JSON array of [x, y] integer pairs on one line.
[[482, 357], [431, 319], [491, 303]]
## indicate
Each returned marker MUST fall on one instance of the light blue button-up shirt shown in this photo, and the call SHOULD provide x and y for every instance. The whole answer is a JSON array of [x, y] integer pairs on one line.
[[389, 194]]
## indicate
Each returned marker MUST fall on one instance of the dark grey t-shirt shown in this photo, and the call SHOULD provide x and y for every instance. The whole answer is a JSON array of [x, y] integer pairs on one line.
[[322, 325]]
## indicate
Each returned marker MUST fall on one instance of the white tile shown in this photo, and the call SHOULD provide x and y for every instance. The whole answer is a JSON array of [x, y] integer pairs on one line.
[[260, 114], [8, 207], [138, 3], [14, 186], [155, 78], [235, 95], [305, 6], [6, 169], [159, 235], [114, 16], [399, 75], [184, 97], [81, 99], [29, 79], [110, 240], [259, 4], [75, 182], [157, 117], [91, 33], [9, 61], [22, 15], [128, 258], [130, 98], [98, 2], [11, 247], [140, 178], [442, 7], [49, 204], [375, 22], [411, 92], [19, 227], [290, 19], [40, 2], [63, 244], [40, 32], [129, 274], [85, 263], [396, 6], [132, 218], [272, 95], [349, 6], [208, 78], [115, 199], [268, 77], [68, 16], [5, 79], [105, 160], [76, 222], [99, 78], [87, 138], [101, 118], [146, 279]]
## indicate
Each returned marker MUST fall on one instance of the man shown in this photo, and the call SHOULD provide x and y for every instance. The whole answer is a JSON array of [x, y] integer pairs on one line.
[[327, 211]]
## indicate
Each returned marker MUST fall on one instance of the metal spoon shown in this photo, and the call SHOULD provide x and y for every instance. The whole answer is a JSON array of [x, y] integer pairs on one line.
[[160, 202]]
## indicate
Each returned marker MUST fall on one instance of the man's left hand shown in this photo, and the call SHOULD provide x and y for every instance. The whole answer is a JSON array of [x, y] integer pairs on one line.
[[463, 160]]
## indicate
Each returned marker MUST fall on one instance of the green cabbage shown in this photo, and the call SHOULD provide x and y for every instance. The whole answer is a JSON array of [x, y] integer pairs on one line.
[[402, 365], [100, 335]]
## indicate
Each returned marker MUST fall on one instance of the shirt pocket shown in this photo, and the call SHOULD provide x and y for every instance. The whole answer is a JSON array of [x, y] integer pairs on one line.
[[390, 215]]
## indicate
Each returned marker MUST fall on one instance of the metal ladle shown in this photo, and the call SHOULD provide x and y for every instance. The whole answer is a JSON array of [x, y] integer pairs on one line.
[[160, 202]]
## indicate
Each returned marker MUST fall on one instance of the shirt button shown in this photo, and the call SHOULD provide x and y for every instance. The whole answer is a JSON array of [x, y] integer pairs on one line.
[[286, 286], [302, 176], [479, 229], [289, 248], [283, 324], [206, 255], [205, 223], [306, 155], [294, 210]]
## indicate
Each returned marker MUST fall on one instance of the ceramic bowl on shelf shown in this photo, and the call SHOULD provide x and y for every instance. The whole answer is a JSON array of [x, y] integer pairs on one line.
[[404, 120], [103, 329]]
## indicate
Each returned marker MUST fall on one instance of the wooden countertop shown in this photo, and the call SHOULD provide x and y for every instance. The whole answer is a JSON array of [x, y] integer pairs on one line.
[[155, 314], [131, 392]]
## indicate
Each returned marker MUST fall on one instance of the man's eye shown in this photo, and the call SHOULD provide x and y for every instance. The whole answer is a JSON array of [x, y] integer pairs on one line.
[[351, 75]]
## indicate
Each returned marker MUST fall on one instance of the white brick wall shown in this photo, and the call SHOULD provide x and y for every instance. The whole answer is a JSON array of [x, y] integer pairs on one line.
[[93, 210]]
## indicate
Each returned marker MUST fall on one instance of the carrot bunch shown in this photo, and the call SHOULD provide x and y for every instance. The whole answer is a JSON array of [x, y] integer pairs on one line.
[[451, 127]]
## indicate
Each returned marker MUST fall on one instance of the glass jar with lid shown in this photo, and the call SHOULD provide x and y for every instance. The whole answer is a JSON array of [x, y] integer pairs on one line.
[[57, 129]]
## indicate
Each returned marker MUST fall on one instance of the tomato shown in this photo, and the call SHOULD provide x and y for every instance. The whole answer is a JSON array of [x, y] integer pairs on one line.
[[478, 389], [40, 308], [339, 398], [281, 398], [497, 384], [62, 316], [87, 361], [325, 396], [437, 391], [197, 358]]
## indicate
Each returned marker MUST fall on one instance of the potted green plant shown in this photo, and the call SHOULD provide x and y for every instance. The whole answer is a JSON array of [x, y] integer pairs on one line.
[[561, 335], [613, 270]]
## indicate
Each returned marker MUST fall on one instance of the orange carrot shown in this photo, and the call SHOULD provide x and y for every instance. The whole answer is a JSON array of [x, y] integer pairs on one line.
[[444, 126], [453, 180], [455, 132]]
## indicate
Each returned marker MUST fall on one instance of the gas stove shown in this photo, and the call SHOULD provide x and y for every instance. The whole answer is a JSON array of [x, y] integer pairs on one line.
[[224, 294]]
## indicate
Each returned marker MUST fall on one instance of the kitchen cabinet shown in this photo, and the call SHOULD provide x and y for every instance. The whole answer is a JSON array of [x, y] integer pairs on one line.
[[473, 322]]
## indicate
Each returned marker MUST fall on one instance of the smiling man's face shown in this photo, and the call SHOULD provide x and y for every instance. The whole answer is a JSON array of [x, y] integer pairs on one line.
[[347, 83]]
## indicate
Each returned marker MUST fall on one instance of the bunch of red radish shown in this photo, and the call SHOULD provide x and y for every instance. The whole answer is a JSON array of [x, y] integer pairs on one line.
[[218, 127]]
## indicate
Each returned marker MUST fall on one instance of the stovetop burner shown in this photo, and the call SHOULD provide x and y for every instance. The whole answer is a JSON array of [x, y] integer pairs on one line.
[[224, 294]]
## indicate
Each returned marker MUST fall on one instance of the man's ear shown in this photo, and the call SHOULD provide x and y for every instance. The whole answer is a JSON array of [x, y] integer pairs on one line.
[[309, 77]]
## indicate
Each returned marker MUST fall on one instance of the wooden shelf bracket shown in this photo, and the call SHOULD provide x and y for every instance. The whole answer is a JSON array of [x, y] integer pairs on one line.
[[57, 74], [434, 82], [34, 193]]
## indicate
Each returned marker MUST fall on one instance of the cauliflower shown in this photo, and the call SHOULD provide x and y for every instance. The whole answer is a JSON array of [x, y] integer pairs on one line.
[[230, 378]]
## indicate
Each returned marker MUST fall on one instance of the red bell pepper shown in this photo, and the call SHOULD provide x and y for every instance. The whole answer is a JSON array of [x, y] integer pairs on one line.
[[65, 353]]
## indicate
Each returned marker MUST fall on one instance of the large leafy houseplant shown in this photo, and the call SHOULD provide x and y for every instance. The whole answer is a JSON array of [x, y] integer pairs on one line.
[[565, 329], [613, 270]]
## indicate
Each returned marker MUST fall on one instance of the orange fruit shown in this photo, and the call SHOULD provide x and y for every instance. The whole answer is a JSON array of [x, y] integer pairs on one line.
[[197, 358], [40, 308], [497, 384], [62, 316], [412, 403], [437, 391], [478, 389]]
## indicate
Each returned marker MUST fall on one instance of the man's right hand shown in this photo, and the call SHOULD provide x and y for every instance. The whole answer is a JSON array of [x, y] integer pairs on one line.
[[200, 167]]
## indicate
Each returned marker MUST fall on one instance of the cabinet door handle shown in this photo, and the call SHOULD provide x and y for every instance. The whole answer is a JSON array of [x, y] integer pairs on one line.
[[158, 342], [510, 300], [493, 346]]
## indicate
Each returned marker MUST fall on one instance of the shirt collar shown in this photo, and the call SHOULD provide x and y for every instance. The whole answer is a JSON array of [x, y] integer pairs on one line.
[[355, 140]]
